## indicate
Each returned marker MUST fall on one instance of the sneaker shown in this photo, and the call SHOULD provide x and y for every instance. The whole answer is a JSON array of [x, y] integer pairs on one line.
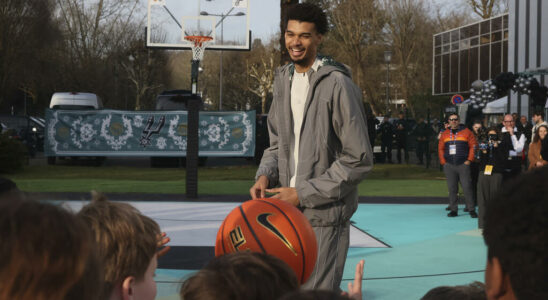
[[473, 214], [452, 214], [447, 208]]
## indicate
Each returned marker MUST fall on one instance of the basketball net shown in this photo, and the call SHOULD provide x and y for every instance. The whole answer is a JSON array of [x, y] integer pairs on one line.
[[199, 43]]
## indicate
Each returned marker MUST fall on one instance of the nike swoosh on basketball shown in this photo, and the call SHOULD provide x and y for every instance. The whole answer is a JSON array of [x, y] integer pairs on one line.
[[263, 220]]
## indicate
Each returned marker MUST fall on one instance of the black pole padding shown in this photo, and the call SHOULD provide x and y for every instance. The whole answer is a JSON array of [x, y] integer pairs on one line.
[[428, 137], [195, 67], [193, 105]]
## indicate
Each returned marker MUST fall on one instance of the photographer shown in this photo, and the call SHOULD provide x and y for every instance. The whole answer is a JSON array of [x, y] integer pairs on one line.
[[493, 156]]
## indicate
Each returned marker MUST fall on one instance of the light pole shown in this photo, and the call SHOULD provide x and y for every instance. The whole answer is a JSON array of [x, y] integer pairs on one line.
[[387, 59], [223, 16]]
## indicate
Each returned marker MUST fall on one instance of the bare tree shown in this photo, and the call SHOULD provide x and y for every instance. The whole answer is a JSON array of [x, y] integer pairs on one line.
[[451, 19], [26, 31], [410, 36], [96, 34], [487, 8], [144, 70], [357, 30], [95, 28], [263, 78]]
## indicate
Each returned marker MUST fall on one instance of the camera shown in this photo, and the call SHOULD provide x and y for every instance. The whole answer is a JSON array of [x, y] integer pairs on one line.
[[493, 138]]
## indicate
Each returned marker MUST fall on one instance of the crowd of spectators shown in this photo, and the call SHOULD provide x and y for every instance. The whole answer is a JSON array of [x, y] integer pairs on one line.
[[484, 160]]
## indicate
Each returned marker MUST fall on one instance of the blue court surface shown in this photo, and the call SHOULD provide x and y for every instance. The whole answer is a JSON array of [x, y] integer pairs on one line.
[[408, 248]]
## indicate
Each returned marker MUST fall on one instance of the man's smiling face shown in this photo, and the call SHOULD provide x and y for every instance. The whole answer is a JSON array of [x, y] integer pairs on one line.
[[301, 41]]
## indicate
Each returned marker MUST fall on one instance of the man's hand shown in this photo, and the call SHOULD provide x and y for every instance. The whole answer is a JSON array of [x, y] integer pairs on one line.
[[259, 188], [510, 130], [467, 162], [287, 194], [355, 288]]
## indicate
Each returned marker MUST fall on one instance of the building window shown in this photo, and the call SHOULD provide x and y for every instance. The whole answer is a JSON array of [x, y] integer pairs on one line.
[[468, 53]]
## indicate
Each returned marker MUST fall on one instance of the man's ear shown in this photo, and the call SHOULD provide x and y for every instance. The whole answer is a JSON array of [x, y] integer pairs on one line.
[[128, 288], [497, 283], [320, 37]]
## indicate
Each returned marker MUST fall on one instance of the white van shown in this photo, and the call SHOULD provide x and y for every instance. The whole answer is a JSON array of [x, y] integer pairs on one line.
[[75, 101]]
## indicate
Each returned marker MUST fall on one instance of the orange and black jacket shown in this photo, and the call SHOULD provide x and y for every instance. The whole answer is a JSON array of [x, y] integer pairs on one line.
[[464, 142]]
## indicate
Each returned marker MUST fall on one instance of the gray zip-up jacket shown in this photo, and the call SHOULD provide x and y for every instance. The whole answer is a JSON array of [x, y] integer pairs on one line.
[[334, 153]]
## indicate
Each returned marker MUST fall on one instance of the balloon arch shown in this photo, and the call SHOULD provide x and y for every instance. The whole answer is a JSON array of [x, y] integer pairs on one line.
[[483, 92]]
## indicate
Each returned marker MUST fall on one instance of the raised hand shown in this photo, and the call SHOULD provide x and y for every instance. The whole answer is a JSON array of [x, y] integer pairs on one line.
[[163, 239], [355, 288]]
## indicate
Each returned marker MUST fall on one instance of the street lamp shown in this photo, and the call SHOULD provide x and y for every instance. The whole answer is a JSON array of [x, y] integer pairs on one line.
[[387, 59], [223, 16]]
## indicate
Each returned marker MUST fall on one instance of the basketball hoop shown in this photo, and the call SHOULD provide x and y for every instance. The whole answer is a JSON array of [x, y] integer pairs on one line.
[[199, 43]]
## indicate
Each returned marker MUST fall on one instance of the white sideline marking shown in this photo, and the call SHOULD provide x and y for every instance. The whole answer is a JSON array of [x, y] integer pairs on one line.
[[196, 224]]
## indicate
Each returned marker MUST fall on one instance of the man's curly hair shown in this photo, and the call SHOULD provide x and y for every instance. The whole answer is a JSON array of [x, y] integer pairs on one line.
[[307, 12]]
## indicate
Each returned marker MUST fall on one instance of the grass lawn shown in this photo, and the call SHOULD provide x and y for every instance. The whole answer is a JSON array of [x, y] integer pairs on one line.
[[384, 180]]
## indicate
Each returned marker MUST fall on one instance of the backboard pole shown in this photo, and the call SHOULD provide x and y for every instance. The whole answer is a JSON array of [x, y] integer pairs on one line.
[[192, 147], [195, 65], [193, 135]]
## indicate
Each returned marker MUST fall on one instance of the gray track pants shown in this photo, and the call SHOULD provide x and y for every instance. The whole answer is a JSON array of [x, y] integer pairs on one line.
[[333, 245], [454, 174]]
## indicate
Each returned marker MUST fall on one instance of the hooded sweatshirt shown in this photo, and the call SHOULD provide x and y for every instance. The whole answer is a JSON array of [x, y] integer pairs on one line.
[[334, 153]]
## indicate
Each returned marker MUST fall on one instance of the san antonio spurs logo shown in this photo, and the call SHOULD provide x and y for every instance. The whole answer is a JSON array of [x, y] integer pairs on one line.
[[150, 129]]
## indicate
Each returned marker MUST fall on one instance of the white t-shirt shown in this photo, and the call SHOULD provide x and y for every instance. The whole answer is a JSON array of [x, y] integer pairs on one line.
[[299, 91]]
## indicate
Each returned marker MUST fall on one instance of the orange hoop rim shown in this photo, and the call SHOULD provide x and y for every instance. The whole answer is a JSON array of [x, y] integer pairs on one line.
[[198, 39]]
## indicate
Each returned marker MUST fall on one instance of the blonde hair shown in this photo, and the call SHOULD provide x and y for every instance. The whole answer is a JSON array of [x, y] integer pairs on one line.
[[126, 239]]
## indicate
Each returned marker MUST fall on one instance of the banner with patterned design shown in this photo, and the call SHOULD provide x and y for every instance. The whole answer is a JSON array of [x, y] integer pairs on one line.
[[146, 133]]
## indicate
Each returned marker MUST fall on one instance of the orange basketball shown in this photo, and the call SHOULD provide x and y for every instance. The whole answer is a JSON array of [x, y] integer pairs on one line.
[[270, 226]]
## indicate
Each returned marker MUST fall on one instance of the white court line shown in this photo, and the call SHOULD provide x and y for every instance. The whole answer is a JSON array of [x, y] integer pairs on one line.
[[196, 224]]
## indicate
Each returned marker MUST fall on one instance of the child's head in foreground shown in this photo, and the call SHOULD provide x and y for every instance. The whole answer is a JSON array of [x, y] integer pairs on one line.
[[46, 253], [241, 275], [127, 242]]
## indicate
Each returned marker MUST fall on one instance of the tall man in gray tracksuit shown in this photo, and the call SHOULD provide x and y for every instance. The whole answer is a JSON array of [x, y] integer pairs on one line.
[[319, 146]]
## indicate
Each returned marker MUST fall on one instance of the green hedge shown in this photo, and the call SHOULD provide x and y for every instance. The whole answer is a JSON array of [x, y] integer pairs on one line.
[[13, 154]]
